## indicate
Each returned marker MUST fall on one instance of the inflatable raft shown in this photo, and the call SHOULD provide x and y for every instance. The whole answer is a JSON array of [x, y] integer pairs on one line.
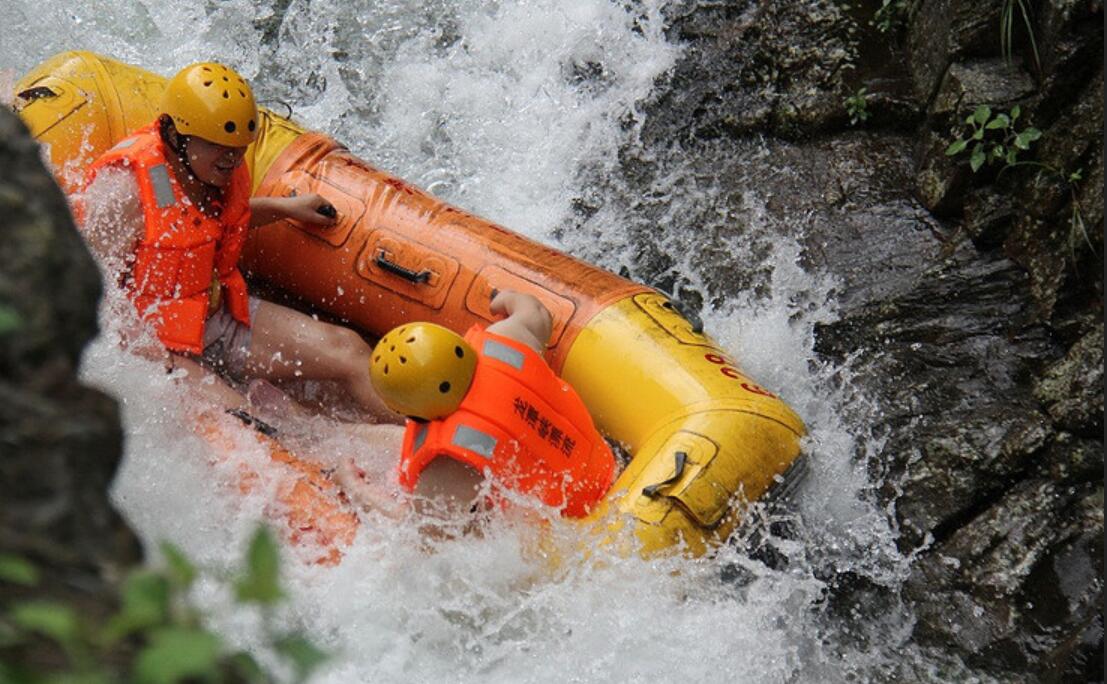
[[703, 437]]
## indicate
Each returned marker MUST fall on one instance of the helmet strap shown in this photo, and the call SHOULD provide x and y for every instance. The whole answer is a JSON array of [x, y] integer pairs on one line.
[[178, 142]]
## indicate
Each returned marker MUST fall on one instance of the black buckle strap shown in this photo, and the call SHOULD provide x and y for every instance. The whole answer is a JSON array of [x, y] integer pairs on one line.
[[256, 423], [654, 490]]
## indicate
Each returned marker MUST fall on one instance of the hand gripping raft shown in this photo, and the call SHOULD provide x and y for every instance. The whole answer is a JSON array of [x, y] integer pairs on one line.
[[703, 437]]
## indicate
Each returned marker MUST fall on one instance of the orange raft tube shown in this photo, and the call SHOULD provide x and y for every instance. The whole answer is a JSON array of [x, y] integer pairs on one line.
[[703, 437]]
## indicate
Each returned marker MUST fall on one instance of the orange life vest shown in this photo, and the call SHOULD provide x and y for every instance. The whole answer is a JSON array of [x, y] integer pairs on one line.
[[523, 424], [182, 248]]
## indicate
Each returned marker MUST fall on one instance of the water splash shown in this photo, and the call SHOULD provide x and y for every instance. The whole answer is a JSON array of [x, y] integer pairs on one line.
[[518, 110]]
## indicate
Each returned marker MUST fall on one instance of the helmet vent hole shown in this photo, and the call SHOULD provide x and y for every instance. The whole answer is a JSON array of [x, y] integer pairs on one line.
[[251, 126], [411, 339], [226, 95], [386, 369], [459, 352], [207, 84], [225, 78], [444, 387], [392, 348], [229, 127], [377, 358], [242, 93], [403, 359]]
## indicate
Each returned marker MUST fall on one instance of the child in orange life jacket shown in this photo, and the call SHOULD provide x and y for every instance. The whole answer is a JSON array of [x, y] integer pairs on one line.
[[177, 234], [489, 404]]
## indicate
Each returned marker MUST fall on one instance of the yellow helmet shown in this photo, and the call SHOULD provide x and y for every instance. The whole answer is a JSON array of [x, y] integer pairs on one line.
[[422, 370], [211, 101]]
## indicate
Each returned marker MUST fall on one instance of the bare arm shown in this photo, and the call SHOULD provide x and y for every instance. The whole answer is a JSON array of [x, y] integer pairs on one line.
[[306, 208], [528, 320]]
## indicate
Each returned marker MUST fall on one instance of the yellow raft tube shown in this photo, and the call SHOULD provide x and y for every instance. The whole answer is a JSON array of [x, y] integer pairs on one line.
[[703, 437]]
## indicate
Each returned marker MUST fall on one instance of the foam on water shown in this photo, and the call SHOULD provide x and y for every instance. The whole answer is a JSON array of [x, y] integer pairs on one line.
[[505, 108]]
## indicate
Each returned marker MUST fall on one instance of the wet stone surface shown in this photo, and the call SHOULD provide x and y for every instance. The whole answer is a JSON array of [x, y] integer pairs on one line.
[[966, 311], [60, 442]]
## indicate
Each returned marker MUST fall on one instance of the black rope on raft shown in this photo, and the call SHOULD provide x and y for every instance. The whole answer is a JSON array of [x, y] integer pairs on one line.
[[288, 107]]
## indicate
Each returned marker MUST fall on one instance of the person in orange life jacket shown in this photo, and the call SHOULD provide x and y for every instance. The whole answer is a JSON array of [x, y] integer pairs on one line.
[[488, 404], [169, 208]]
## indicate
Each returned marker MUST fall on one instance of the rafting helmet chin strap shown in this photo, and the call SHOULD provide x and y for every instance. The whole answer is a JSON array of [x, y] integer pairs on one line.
[[179, 149]]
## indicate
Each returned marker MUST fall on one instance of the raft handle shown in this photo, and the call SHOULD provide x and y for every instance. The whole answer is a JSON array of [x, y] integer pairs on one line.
[[687, 312], [653, 490], [405, 273], [37, 93]]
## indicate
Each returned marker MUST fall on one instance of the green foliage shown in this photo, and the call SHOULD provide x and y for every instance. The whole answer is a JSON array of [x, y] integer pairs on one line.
[[15, 570], [995, 138], [992, 138], [10, 320], [303, 654], [261, 583], [857, 106], [890, 15], [144, 604], [173, 654], [180, 570], [53, 620], [164, 632], [1006, 23]]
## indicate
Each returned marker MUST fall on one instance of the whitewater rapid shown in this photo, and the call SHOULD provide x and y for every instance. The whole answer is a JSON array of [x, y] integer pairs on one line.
[[510, 109]]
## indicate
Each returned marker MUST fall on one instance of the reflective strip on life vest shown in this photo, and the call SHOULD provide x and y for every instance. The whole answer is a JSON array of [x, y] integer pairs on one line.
[[420, 437], [502, 352], [163, 188], [474, 440], [124, 144]]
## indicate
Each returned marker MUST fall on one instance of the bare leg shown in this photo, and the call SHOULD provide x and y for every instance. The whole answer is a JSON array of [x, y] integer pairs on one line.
[[209, 385], [286, 344], [369, 478]]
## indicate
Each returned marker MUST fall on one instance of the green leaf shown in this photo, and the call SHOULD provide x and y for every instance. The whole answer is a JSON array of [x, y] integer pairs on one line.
[[970, 119], [145, 604], [53, 620], [1012, 156], [1076, 175], [1001, 121], [982, 114], [181, 571], [9, 319], [978, 134], [16, 570], [176, 653], [247, 668], [1032, 134], [998, 151], [955, 147], [305, 656], [977, 159], [261, 584], [1015, 111], [1022, 142]]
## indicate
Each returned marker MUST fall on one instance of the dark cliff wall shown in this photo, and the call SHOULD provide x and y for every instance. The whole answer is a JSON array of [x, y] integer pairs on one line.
[[60, 442]]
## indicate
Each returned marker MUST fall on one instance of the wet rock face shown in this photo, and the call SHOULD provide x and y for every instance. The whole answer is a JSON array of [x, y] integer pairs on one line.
[[1071, 389], [971, 313], [60, 442], [1053, 223], [756, 67], [1021, 583]]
